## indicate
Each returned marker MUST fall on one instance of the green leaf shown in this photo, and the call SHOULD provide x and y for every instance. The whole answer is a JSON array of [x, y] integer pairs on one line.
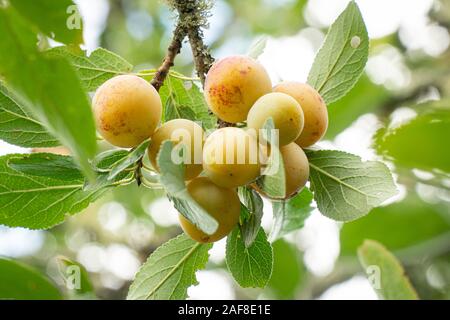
[[258, 47], [252, 206], [21, 282], [129, 160], [106, 160], [343, 56], [172, 177], [95, 69], [19, 127], [51, 18], [385, 272], [76, 278], [170, 270], [288, 273], [47, 165], [41, 201], [250, 267], [290, 215], [183, 99], [49, 87], [426, 131], [345, 188], [273, 180], [399, 226]]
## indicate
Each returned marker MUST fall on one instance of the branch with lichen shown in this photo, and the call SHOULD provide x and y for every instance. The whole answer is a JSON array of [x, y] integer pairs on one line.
[[172, 51], [202, 58], [193, 15]]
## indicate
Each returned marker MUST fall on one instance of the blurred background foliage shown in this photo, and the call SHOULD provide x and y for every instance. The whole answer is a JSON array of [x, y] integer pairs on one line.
[[409, 67]]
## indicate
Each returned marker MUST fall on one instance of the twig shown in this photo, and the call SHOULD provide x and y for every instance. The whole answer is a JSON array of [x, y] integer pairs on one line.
[[172, 51]]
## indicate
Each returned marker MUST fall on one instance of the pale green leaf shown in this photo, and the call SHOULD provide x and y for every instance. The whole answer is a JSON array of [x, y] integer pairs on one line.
[[129, 160], [49, 88], [170, 270], [252, 211], [257, 48], [273, 180], [183, 99], [343, 56], [53, 18], [346, 188], [76, 277], [95, 69], [19, 127], [426, 131], [106, 160], [250, 267], [172, 177], [290, 215], [21, 282], [385, 272]]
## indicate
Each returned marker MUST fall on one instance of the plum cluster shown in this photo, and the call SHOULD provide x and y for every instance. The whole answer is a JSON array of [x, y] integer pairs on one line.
[[239, 92]]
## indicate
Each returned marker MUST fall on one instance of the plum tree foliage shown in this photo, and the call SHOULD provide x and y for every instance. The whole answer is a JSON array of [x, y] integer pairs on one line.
[[218, 168]]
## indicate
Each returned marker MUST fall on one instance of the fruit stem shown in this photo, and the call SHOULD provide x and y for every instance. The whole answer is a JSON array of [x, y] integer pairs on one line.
[[150, 185], [138, 171]]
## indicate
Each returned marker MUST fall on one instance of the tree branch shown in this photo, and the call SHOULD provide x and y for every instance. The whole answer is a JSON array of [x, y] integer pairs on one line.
[[194, 15], [172, 51], [202, 57]]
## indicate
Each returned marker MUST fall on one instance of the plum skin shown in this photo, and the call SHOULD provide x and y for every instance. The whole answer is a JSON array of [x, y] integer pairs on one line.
[[127, 110], [314, 110], [296, 168], [175, 131], [221, 203], [232, 86], [226, 163], [285, 111]]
